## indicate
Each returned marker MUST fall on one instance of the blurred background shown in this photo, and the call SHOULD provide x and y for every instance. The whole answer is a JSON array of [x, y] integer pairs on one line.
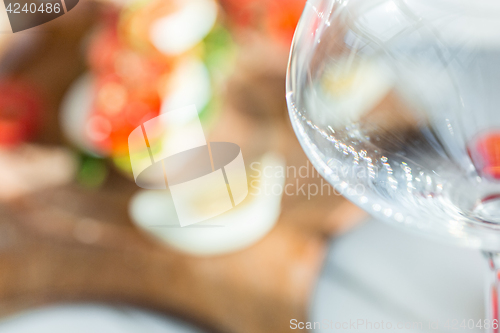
[[77, 250], [73, 89]]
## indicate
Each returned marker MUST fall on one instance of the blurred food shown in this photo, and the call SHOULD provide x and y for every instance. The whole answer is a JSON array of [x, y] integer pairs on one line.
[[235, 230], [171, 27], [485, 153], [276, 18], [21, 106], [131, 81]]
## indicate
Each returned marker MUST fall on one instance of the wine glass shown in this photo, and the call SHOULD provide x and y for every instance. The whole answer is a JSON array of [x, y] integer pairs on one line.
[[396, 103]]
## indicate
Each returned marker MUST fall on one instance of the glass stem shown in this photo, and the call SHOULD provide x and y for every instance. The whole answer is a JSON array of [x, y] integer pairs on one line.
[[492, 293]]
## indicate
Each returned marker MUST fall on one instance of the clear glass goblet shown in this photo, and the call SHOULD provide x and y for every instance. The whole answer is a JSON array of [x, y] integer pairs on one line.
[[397, 104]]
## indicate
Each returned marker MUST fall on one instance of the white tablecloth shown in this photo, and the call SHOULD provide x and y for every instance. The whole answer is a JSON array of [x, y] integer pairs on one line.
[[378, 272]]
